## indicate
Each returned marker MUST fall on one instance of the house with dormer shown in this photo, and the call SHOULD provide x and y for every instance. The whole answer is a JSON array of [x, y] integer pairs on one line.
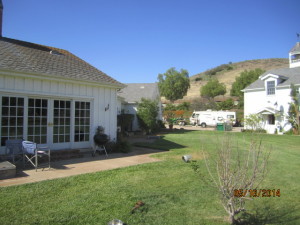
[[270, 97], [50, 96]]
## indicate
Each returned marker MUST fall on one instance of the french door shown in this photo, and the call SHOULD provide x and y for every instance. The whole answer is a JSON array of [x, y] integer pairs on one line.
[[61, 124], [58, 123]]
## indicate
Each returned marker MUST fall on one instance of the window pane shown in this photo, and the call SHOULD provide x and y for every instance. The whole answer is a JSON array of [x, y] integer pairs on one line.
[[61, 138], [30, 130], [44, 140], [5, 101], [13, 101], [13, 111], [20, 111], [21, 102], [5, 111], [4, 121], [44, 103]]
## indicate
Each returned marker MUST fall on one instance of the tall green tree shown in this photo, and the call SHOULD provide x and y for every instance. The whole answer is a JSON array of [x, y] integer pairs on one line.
[[241, 82], [294, 114], [245, 79], [173, 84], [212, 89], [147, 112]]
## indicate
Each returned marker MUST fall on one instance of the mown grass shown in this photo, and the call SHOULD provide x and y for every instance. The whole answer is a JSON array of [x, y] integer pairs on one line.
[[172, 192]]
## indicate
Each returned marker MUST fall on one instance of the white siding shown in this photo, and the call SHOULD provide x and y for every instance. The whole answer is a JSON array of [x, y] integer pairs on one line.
[[255, 101], [99, 97]]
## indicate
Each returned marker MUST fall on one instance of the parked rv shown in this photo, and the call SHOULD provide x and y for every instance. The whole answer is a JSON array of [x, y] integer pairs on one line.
[[212, 118]]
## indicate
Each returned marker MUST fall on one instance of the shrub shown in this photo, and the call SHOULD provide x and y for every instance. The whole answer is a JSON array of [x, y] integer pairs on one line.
[[147, 113], [214, 71], [123, 146], [259, 130], [227, 104]]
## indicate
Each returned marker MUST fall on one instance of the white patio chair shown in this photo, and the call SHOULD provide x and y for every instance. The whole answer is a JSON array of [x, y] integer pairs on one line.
[[32, 153]]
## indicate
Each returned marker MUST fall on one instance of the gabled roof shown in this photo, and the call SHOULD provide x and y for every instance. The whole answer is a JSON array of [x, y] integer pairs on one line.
[[25, 57], [296, 48], [288, 76], [134, 92], [266, 111]]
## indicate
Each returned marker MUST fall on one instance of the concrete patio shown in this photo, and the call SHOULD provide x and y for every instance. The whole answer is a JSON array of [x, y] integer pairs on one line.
[[86, 164]]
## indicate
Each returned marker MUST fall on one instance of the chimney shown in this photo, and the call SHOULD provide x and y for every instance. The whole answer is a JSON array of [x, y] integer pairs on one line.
[[1, 14]]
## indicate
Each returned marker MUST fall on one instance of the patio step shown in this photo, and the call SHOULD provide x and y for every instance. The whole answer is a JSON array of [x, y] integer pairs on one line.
[[65, 154]]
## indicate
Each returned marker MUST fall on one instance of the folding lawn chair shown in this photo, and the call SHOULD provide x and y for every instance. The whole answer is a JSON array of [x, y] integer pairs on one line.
[[32, 153], [13, 150]]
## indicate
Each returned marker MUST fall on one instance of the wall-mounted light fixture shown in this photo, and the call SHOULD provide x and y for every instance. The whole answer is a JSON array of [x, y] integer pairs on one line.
[[107, 107]]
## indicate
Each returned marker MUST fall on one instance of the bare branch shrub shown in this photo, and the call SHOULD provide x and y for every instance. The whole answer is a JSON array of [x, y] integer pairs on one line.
[[236, 168]]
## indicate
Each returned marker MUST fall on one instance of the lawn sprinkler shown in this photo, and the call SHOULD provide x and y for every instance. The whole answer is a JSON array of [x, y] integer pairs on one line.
[[116, 222], [186, 158]]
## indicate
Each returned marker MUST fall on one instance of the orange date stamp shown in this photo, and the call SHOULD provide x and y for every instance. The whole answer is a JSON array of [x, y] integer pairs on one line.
[[256, 193]]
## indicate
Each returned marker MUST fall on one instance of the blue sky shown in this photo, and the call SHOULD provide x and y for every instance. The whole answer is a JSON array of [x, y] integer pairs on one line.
[[135, 40]]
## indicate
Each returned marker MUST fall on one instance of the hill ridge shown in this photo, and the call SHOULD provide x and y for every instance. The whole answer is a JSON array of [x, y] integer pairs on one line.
[[228, 76]]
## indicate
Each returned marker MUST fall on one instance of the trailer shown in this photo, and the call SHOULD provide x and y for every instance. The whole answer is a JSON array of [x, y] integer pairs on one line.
[[212, 118]]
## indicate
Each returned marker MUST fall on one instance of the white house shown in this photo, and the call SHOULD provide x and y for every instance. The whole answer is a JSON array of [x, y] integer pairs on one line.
[[133, 93], [50, 96], [270, 94]]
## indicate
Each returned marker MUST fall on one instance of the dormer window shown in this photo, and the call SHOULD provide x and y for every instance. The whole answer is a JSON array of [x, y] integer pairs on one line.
[[271, 87]]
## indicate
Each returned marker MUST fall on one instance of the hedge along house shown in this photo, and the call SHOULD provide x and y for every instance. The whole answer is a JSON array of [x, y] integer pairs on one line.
[[50, 96]]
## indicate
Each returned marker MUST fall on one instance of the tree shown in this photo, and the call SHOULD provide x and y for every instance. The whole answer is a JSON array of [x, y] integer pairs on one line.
[[293, 113], [226, 105], [184, 106], [212, 89], [237, 172], [147, 112], [173, 85], [241, 82]]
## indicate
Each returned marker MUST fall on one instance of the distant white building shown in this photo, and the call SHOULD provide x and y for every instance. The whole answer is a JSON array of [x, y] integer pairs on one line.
[[130, 96], [270, 94]]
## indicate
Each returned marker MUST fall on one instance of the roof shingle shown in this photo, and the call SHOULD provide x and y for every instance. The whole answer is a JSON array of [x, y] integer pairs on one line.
[[134, 92], [292, 76], [21, 56]]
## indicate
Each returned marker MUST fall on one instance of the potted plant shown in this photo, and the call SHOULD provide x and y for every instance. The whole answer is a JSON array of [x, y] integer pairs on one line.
[[100, 138], [171, 122], [169, 117]]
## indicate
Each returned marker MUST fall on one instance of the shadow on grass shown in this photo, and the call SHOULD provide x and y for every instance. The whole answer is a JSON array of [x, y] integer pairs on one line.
[[160, 144], [268, 214]]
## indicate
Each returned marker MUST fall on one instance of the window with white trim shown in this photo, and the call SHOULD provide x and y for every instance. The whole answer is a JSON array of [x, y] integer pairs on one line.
[[12, 118], [271, 87], [62, 121], [37, 120], [82, 121]]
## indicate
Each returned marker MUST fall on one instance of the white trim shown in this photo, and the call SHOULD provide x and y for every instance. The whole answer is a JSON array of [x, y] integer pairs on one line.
[[269, 75], [253, 89], [45, 95], [41, 76]]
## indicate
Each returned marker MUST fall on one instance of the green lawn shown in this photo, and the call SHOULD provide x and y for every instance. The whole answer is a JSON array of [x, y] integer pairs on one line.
[[172, 192]]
